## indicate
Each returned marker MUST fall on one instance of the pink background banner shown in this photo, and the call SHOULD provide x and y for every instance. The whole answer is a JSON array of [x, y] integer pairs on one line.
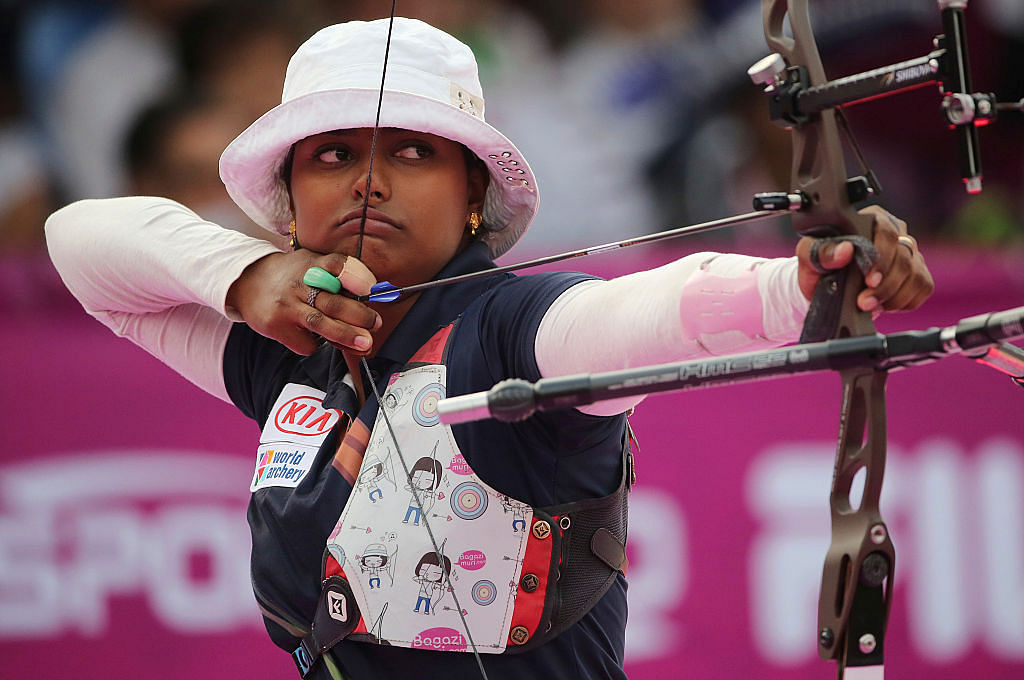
[[124, 547]]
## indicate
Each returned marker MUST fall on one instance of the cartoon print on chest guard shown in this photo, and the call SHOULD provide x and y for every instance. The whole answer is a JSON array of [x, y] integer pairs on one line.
[[518, 511], [397, 563], [433, 573], [424, 480], [376, 471], [396, 398], [377, 560]]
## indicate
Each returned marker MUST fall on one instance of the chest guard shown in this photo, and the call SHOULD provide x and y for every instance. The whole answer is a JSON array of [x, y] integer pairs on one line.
[[521, 575]]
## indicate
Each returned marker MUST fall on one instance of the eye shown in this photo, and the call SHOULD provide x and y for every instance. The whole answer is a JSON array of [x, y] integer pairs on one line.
[[414, 151], [333, 154]]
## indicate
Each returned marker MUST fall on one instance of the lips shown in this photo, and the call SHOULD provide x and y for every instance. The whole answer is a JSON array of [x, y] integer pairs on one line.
[[377, 223]]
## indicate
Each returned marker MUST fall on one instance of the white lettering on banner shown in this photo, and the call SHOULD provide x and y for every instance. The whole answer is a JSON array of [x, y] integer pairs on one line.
[[934, 503], [658, 573], [78, 530], [193, 605], [958, 525], [788, 491], [1001, 507]]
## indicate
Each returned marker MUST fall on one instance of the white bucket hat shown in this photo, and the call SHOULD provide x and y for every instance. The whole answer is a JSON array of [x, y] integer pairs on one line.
[[333, 83]]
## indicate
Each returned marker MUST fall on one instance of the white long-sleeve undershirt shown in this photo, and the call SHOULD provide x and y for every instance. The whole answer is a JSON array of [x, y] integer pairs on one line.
[[655, 316], [153, 271]]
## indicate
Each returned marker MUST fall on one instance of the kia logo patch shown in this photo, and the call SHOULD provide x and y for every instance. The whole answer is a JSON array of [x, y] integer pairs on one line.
[[305, 417]]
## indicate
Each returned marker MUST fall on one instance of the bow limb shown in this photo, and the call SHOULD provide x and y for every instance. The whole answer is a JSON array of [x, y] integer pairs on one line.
[[858, 572]]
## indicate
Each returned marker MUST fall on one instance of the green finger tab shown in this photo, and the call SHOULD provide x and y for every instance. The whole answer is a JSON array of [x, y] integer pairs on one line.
[[322, 279]]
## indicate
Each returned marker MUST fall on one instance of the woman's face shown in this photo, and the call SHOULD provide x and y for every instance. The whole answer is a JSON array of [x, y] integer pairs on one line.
[[421, 195]]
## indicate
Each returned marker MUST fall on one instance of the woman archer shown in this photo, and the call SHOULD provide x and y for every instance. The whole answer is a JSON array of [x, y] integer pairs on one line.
[[447, 194]]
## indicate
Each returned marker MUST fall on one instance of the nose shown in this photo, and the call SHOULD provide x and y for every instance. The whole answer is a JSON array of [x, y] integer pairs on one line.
[[373, 182]]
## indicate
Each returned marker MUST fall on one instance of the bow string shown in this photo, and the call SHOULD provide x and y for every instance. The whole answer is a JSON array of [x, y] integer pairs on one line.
[[357, 377]]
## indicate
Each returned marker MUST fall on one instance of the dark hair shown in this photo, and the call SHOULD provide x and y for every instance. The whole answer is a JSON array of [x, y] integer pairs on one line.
[[286, 168], [472, 160], [428, 465], [435, 559]]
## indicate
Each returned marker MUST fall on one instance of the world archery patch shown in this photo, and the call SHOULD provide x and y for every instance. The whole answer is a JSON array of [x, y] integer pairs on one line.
[[281, 465]]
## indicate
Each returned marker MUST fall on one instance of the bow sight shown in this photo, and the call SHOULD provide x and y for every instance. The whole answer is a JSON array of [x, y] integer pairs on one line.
[[793, 100]]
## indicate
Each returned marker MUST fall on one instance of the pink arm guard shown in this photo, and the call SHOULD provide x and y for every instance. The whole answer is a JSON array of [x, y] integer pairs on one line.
[[704, 304], [722, 314]]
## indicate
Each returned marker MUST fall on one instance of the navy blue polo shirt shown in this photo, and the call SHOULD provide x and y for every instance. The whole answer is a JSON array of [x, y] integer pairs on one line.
[[548, 459]]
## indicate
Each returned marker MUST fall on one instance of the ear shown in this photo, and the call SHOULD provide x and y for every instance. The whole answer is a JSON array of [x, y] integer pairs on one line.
[[477, 179], [286, 176]]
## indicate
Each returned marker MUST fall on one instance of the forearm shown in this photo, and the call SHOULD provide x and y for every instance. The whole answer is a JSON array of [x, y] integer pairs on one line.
[[152, 271], [702, 305], [143, 255]]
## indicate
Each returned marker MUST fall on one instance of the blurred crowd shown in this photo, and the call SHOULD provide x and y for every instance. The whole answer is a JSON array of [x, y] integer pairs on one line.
[[637, 116]]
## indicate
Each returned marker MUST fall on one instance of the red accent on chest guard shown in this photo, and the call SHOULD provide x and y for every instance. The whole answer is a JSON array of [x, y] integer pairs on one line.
[[433, 351], [529, 607]]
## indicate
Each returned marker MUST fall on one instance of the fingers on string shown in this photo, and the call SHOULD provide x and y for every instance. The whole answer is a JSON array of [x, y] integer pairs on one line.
[[355, 277], [350, 272], [335, 317]]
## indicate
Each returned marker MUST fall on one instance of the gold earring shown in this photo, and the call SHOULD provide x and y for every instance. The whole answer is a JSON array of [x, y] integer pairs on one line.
[[291, 233], [473, 223]]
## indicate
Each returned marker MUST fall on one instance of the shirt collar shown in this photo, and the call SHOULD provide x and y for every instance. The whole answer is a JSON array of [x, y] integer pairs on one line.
[[437, 307]]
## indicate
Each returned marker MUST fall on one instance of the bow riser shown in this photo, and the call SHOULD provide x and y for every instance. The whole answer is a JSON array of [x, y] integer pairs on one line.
[[857, 575]]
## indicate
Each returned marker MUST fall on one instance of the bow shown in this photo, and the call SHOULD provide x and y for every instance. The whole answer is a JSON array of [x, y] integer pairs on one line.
[[858, 573]]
